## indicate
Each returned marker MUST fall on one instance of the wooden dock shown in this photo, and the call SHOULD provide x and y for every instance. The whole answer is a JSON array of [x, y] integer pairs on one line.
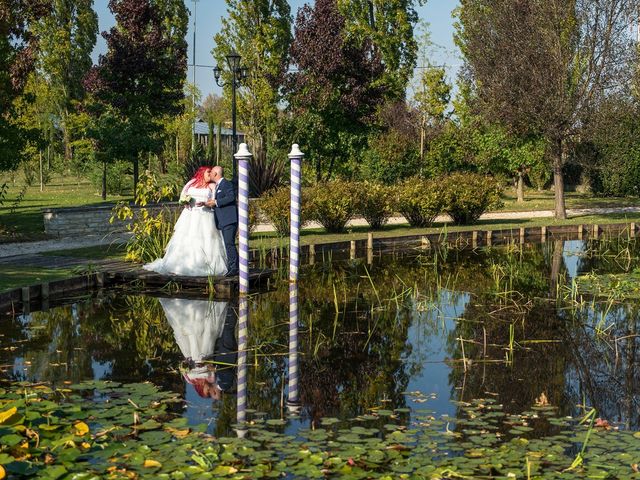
[[118, 273]]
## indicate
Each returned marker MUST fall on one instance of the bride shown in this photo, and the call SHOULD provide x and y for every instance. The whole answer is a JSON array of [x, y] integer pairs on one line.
[[196, 247]]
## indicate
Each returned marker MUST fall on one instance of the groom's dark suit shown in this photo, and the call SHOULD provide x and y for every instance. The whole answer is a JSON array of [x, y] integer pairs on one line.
[[226, 217]]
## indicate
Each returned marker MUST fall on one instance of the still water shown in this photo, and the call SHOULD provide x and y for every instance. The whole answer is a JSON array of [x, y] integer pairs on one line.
[[411, 330]]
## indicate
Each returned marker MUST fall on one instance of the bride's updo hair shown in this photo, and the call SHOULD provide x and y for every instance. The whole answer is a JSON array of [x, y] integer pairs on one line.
[[198, 178]]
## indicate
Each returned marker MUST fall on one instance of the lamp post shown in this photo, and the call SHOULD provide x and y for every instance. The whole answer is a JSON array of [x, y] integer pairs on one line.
[[238, 75]]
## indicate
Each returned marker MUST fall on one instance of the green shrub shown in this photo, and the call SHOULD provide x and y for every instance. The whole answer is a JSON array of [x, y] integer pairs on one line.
[[419, 201], [254, 216], [391, 156], [373, 202], [467, 195], [275, 206], [152, 229], [332, 204]]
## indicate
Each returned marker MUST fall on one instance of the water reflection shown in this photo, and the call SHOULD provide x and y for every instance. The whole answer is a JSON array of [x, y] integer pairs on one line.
[[205, 334], [444, 324]]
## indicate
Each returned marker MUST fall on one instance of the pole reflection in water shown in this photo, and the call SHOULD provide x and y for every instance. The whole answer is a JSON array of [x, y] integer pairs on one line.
[[293, 398], [243, 315], [204, 331]]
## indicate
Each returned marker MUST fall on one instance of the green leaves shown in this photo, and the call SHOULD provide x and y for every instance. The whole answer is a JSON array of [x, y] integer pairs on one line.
[[346, 448]]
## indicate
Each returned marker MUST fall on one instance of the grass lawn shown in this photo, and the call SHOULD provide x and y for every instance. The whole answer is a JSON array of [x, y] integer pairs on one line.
[[534, 200], [15, 276], [22, 219]]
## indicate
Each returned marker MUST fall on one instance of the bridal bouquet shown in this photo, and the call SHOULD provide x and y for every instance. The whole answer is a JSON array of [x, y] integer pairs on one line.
[[186, 200]]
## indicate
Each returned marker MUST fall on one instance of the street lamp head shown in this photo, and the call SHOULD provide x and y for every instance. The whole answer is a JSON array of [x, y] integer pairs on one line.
[[233, 59], [216, 73], [244, 71]]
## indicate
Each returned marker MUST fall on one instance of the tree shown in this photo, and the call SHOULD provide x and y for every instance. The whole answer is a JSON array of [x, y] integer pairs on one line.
[[260, 31], [334, 95], [215, 112], [432, 100], [387, 27], [18, 50], [539, 67], [67, 37], [141, 77]]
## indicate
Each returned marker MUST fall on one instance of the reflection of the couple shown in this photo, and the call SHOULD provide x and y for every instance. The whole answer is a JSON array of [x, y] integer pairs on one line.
[[205, 333]]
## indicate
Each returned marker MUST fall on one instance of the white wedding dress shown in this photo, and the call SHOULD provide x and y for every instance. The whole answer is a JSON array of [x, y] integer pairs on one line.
[[196, 247]]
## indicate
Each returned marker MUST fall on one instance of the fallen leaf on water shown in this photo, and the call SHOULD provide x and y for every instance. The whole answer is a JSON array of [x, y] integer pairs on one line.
[[81, 428], [7, 414], [542, 400], [152, 463], [3, 473], [178, 433], [602, 423]]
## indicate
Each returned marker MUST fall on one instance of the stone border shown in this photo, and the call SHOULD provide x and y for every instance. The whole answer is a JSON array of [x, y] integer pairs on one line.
[[91, 220]]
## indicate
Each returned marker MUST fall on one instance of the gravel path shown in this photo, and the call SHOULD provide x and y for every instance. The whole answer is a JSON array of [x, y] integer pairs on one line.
[[31, 248]]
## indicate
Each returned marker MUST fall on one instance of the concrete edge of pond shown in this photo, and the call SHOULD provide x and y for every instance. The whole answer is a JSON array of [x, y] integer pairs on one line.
[[121, 273]]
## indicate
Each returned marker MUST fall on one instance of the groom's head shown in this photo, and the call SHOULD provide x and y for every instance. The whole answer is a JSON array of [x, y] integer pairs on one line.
[[217, 173]]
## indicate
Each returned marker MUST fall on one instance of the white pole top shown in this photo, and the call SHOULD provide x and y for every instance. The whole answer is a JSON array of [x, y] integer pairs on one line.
[[295, 152], [243, 151]]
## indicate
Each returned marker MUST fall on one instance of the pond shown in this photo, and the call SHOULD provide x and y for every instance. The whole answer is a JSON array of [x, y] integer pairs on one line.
[[409, 335]]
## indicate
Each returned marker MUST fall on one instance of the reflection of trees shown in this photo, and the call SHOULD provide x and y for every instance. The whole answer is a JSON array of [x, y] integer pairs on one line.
[[609, 256], [65, 357], [510, 331], [136, 340], [604, 357], [519, 376]]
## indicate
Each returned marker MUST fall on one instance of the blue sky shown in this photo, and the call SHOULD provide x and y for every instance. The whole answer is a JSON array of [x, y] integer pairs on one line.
[[209, 12]]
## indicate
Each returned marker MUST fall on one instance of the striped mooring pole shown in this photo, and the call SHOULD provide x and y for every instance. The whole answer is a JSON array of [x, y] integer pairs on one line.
[[243, 157], [295, 156]]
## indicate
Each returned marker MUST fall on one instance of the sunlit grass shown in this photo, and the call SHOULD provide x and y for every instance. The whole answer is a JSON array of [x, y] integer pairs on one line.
[[22, 218], [12, 276]]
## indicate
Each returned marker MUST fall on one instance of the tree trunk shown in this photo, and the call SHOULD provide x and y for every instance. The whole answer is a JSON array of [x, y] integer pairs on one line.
[[67, 142], [136, 172], [423, 135], [41, 173], [520, 187], [558, 183], [104, 180], [210, 152], [219, 144]]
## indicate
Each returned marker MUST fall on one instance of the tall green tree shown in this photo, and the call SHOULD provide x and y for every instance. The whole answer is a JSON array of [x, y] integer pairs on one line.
[[141, 77], [432, 101], [334, 95], [539, 67], [260, 31], [18, 51], [67, 38], [387, 26]]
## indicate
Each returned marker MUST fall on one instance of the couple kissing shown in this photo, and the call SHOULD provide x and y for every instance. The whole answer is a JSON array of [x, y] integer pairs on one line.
[[204, 237]]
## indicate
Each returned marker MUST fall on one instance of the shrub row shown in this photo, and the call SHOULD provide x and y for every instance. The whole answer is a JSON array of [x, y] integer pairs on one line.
[[464, 196]]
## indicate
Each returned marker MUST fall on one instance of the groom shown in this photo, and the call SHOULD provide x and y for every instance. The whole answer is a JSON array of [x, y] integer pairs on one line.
[[226, 216]]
